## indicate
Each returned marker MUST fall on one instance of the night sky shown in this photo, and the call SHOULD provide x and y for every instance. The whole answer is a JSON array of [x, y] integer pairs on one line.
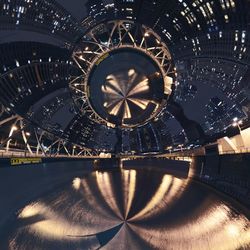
[[75, 7], [195, 108]]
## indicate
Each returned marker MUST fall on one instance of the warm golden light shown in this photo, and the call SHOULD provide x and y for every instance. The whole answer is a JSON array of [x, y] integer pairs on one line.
[[172, 216], [120, 93], [14, 128], [29, 211], [105, 187], [139, 88], [127, 113], [233, 230], [131, 72], [158, 196], [51, 225], [115, 110], [114, 82], [140, 102], [76, 183], [131, 191]]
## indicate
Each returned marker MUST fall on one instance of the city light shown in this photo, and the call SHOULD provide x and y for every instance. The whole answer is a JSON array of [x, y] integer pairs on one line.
[[237, 123], [132, 119], [14, 128], [76, 183]]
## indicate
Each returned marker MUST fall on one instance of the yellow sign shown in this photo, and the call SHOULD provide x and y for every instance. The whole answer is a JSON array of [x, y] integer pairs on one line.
[[102, 58], [20, 161]]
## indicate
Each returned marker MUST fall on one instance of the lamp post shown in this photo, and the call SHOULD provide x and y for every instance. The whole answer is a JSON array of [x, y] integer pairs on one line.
[[237, 123], [13, 128]]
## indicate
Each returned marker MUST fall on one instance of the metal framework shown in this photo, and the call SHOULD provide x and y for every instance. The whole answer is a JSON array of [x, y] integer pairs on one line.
[[107, 37], [23, 139]]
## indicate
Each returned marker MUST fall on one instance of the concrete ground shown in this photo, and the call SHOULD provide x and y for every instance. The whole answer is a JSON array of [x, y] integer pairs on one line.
[[67, 206]]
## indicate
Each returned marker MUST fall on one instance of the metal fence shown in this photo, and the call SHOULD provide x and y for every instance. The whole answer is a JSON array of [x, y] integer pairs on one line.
[[15, 154]]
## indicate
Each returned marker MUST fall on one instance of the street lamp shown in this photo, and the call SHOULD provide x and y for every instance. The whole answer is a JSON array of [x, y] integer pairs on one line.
[[13, 128], [237, 123]]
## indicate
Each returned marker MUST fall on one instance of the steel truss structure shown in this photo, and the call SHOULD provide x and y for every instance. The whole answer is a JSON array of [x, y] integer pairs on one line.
[[24, 139], [95, 47]]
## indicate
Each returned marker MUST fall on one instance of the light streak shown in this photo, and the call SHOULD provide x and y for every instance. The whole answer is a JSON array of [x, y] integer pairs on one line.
[[158, 196], [131, 191], [119, 91], [127, 113], [139, 88], [105, 188], [140, 102], [76, 183]]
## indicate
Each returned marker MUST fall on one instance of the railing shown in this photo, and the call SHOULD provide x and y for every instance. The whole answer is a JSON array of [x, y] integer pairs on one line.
[[180, 158], [184, 154], [238, 151], [13, 154], [201, 151]]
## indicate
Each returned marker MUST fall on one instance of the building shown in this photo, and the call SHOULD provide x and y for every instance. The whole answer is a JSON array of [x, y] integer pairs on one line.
[[131, 132]]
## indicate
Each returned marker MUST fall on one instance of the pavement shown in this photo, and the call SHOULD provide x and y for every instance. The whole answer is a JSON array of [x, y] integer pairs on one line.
[[67, 206]]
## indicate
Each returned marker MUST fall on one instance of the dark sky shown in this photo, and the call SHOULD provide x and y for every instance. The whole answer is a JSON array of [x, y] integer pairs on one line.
[[75, 7], [195, 108]]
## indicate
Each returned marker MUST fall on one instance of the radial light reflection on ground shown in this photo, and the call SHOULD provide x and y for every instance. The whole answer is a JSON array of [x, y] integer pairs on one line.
[[121, 90], [151, 209]]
